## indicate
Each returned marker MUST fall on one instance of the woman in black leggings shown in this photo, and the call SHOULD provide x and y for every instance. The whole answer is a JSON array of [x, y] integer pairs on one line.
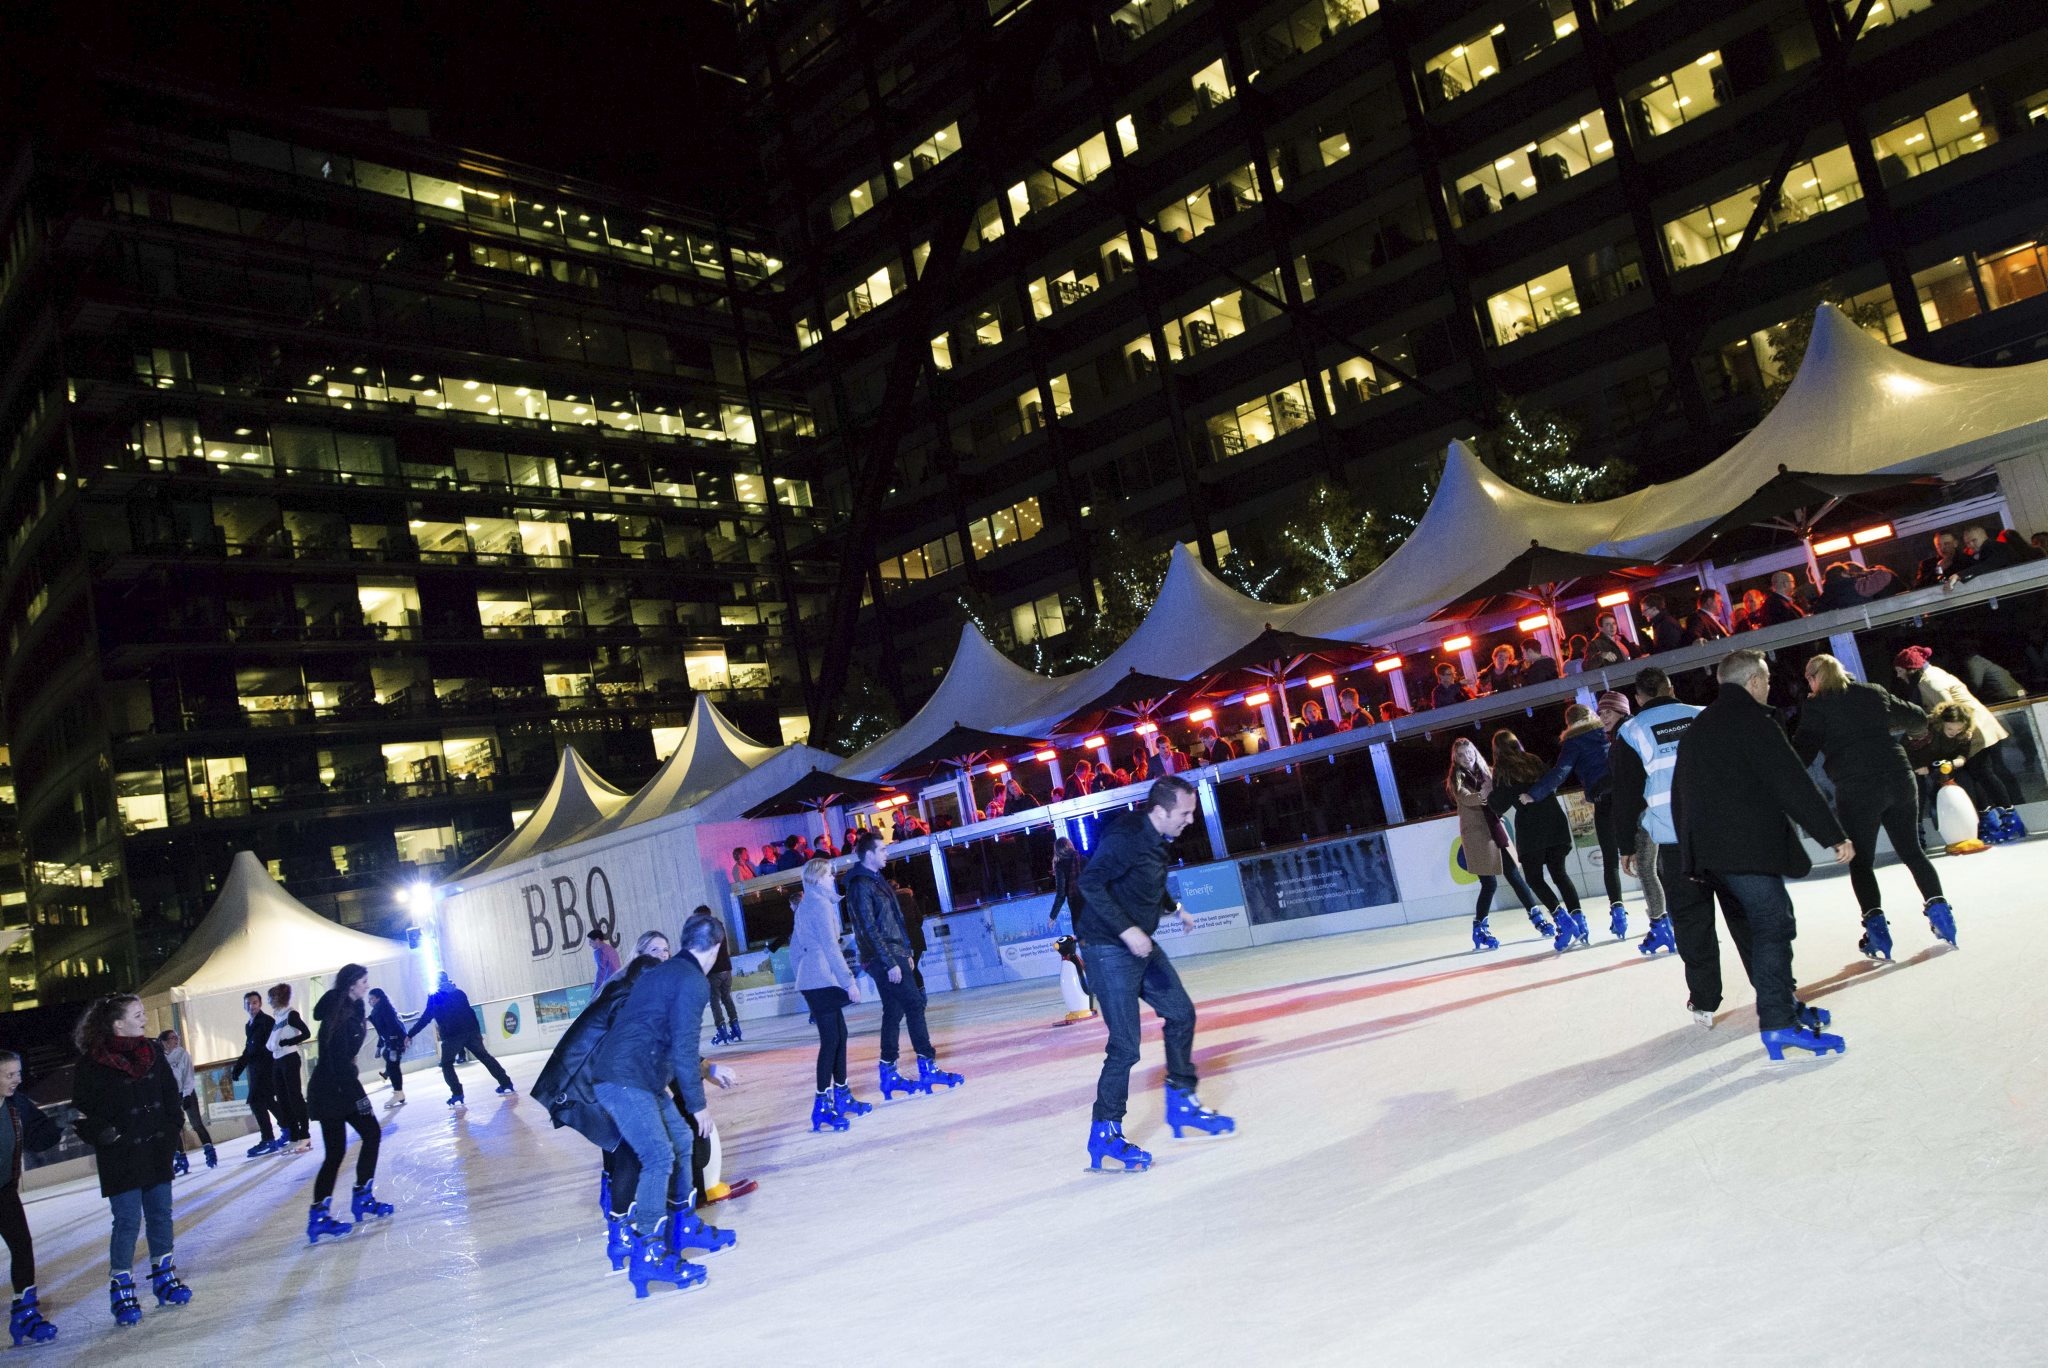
[[26, 1128], [390, 1030], [1541, 832], [1854, 728], [285, 1038], [829, 987], [337, 1100]]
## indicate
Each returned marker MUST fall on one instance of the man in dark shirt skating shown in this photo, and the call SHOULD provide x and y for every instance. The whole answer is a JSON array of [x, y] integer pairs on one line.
[[1123, 893]]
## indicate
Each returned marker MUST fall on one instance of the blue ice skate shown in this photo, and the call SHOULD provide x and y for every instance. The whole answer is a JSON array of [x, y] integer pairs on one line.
[[1814, 1018], [719, 1037], [655, 1262], [1617, 921], [932, 1076], [1942, 918], [2010, 827], [319, 1222], [1540, 922], [121, 1300], [689, 1232], [164, 1281], [1566, 932], [25, 1321], [363, 1203], [1184, 1110], [893, 1082], [1990, 829], [1660, 937], [618, 1241], [1580, 935], [846, 1104], [180, 1165], [1877, 936], [824, 1116], [1785, 1038], [1483, 939], [1106, 1141]]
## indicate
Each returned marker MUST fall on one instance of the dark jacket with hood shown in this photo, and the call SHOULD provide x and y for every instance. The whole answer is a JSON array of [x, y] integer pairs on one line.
[[390, 1030], [1737, 789], [565, 1086], [1856, 729], [334, 1092], [132, 1124], [449, 1009], [1541, 829], [1583, 753]]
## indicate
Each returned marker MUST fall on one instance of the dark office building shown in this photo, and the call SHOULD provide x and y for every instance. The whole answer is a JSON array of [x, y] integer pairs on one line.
[[348, 477], [1211, 251]]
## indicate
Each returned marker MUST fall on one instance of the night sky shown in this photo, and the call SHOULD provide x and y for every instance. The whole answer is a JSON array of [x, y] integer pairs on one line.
[[610, 92]]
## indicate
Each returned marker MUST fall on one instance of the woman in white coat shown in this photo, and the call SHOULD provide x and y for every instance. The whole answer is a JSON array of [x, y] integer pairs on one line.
[[829, 987]]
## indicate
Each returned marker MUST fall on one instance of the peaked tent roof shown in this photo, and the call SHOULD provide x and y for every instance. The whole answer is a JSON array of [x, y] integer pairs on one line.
[[981, 688], [713, 753], [256, 933], [576, 798], [1857, 406], [764, 781]]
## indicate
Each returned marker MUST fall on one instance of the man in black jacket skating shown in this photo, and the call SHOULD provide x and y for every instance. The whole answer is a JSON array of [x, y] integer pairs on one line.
[[448, 1009], [883, 937], [1123, 894], [255, 1059], [1736, 790]]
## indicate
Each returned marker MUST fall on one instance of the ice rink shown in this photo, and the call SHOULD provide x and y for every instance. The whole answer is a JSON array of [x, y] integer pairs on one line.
[[1443, 1158]]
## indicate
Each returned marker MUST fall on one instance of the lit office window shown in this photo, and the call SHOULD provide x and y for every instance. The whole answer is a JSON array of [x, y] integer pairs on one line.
[[1351, 383], [1307, 28], [1252, 424], [1041, 618], [1674, 99], [1525, 32], [1813, 187], [1519, 174], [1564, 293], [1884, 13], [1941, 135]]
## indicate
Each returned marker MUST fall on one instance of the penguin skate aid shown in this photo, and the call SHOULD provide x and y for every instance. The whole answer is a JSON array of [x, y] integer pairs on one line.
[[1123, 895]]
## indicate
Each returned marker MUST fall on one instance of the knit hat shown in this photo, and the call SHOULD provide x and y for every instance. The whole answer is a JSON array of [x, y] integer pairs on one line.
[[1612, 701], [1913, 658]]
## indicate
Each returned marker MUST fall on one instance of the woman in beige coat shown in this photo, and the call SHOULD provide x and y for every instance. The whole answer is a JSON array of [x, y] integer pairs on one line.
[[1488, 854]]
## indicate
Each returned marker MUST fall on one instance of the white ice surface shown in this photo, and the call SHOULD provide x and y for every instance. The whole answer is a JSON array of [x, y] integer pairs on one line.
[[1444, 1158]]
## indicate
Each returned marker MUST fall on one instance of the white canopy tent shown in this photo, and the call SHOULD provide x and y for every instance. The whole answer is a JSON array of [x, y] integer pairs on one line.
[[256, 935], [575, 799], [981, 688], [713, 753]]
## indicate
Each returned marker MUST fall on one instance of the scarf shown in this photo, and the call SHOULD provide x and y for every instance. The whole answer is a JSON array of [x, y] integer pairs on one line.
[[132, 1056]]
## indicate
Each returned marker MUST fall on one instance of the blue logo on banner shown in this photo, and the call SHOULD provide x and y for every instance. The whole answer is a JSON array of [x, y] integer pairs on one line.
[[511, 1018]]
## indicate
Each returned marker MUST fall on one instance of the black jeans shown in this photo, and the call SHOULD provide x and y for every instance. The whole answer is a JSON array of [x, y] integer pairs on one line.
[[475, 1045], [394, 1072], [1893, 803], [1690, 905], [1986, 779], [724, 1011], [263, 1099], [195, 1119], [1121, 980], [902, 1005], [21, 1247], [1488, 882], [291, 1097], [1611, 846], [1758, 909], [828, 1010], [1551, 861], [334, 1142]]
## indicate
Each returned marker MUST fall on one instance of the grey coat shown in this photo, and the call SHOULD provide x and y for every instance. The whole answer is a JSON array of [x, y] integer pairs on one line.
[[814, 950]]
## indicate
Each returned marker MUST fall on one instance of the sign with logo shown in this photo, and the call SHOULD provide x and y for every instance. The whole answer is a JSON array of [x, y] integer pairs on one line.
[[1316, 880]]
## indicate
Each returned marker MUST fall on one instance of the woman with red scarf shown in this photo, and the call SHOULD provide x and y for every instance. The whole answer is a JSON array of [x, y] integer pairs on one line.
[[129, 1112]]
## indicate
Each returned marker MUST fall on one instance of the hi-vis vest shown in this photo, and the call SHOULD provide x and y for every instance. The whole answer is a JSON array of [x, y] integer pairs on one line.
[[1653, 734]]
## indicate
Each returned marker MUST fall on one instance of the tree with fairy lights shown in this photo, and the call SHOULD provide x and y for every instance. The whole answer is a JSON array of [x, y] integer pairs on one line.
[[1536, 450], [867, 717], [1330, 544]]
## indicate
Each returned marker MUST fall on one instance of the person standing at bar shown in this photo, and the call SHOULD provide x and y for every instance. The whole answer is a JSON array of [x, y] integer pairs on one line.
[[1737, 788], [1123, 895]]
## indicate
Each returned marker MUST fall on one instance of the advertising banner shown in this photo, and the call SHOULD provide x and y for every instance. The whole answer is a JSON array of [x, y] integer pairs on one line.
[[1429, 860], [1317, 880]]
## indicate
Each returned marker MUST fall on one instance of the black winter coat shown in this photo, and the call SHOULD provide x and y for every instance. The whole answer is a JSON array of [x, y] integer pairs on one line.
[[449, 1010], [1856, 730], [32, 1131], [256, 1045], [335, 1092], [565, 1086], [390, 1030], [1541, 829], [132, 1124], [654, 1038], [1737, 789]]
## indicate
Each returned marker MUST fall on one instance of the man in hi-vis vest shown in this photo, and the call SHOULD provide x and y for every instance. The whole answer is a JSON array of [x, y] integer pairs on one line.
[[1644, 754]]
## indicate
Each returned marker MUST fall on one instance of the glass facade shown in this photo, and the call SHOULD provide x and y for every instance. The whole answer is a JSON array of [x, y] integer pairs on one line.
[[358, 478]]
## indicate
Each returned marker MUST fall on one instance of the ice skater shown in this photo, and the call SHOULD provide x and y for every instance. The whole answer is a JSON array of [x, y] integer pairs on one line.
[[652, 1044], [188, 1092], [828, 987], [337, 1101], [725, 1013], [883, 940], [1737, 788], [455, 1021], [23, 1129], [1583, 752], [1853, 727], [1124, 894], [1542, 834], [1996, 795], [604, 950], [390, 1031], [1067, 864], [255, 1061], [127, 1104], [287, 1069], [1489, 854]]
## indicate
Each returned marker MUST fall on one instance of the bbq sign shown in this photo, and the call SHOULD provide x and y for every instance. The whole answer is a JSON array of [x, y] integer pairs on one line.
[[558, 913]]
